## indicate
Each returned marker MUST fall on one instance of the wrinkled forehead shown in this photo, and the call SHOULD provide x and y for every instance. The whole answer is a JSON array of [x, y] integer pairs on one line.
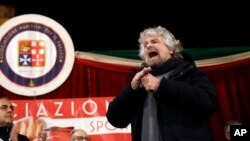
[[152, 38], [147, 34], [145, 37]]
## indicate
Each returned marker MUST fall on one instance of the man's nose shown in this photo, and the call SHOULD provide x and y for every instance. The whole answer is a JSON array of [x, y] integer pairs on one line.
[[149, 46], [10, 109]]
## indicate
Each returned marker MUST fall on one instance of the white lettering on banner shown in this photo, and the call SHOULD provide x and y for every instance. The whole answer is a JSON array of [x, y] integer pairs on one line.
[[38, 109], [26, 109], [41, 111], [83, 107], [58, 108], [72, 108], [94, 107]]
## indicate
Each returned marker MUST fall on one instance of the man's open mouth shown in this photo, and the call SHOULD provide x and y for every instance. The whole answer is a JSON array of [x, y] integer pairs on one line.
[[152, 54]]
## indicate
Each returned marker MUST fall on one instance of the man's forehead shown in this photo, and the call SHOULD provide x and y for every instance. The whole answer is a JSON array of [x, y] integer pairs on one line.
[[149, 38], [5, 101], [79, 132]]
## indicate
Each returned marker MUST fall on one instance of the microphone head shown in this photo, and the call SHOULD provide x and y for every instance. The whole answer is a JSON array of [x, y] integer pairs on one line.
[[144, 65]]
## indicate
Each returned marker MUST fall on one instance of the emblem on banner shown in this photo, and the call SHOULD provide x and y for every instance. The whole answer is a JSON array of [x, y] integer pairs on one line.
[[35, 57], [31, 53]]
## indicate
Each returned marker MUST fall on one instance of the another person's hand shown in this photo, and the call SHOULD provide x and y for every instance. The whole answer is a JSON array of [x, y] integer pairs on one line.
[[32, 128], [14, 133]]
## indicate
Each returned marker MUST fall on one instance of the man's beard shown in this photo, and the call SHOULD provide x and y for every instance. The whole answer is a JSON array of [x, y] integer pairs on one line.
[[156, 66]]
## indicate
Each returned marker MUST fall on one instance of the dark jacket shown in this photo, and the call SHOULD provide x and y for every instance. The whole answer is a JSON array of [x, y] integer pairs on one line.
[[185, 102], [5, 134]]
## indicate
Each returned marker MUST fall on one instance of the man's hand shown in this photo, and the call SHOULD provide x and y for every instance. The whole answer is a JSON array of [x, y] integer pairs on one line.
[[150, 82], [136, 81]]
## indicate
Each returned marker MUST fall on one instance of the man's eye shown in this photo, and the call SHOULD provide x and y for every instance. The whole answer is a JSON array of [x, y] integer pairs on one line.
[[5, 107]]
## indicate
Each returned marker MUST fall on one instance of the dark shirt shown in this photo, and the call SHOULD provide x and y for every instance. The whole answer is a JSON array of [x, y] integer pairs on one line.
[[5, 134]]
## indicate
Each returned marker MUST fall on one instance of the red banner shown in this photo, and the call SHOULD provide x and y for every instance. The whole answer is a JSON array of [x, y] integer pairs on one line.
[[55, 118]]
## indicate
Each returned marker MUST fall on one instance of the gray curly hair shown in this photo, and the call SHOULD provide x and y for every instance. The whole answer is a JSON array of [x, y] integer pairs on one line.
[[168, 38]]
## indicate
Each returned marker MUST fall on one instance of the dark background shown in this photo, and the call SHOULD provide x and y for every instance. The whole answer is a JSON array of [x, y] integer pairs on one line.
[[97, 26]]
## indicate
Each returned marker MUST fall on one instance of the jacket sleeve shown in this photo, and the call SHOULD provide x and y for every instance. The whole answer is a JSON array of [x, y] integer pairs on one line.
[[192, 92], [120, 109]]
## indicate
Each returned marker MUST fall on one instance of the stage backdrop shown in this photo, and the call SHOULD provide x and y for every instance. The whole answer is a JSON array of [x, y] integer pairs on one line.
[[96, 75]]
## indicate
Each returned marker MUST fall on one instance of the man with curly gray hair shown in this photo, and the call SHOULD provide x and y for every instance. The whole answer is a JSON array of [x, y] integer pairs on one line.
[[169, 99], [167, 37]]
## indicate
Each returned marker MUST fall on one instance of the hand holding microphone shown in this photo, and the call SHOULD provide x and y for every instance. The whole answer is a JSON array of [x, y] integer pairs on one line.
[[136, 81], [148, 81], [144, 79]]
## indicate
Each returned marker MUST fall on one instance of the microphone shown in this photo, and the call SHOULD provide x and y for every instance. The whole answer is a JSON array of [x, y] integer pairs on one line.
[[144, 65]]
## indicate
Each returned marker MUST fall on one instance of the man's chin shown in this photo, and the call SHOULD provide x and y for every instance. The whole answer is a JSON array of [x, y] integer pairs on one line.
[[153, 62], [9, 122]]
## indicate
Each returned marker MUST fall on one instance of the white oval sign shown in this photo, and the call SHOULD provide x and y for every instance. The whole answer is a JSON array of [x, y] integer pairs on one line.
[[36, 55]]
